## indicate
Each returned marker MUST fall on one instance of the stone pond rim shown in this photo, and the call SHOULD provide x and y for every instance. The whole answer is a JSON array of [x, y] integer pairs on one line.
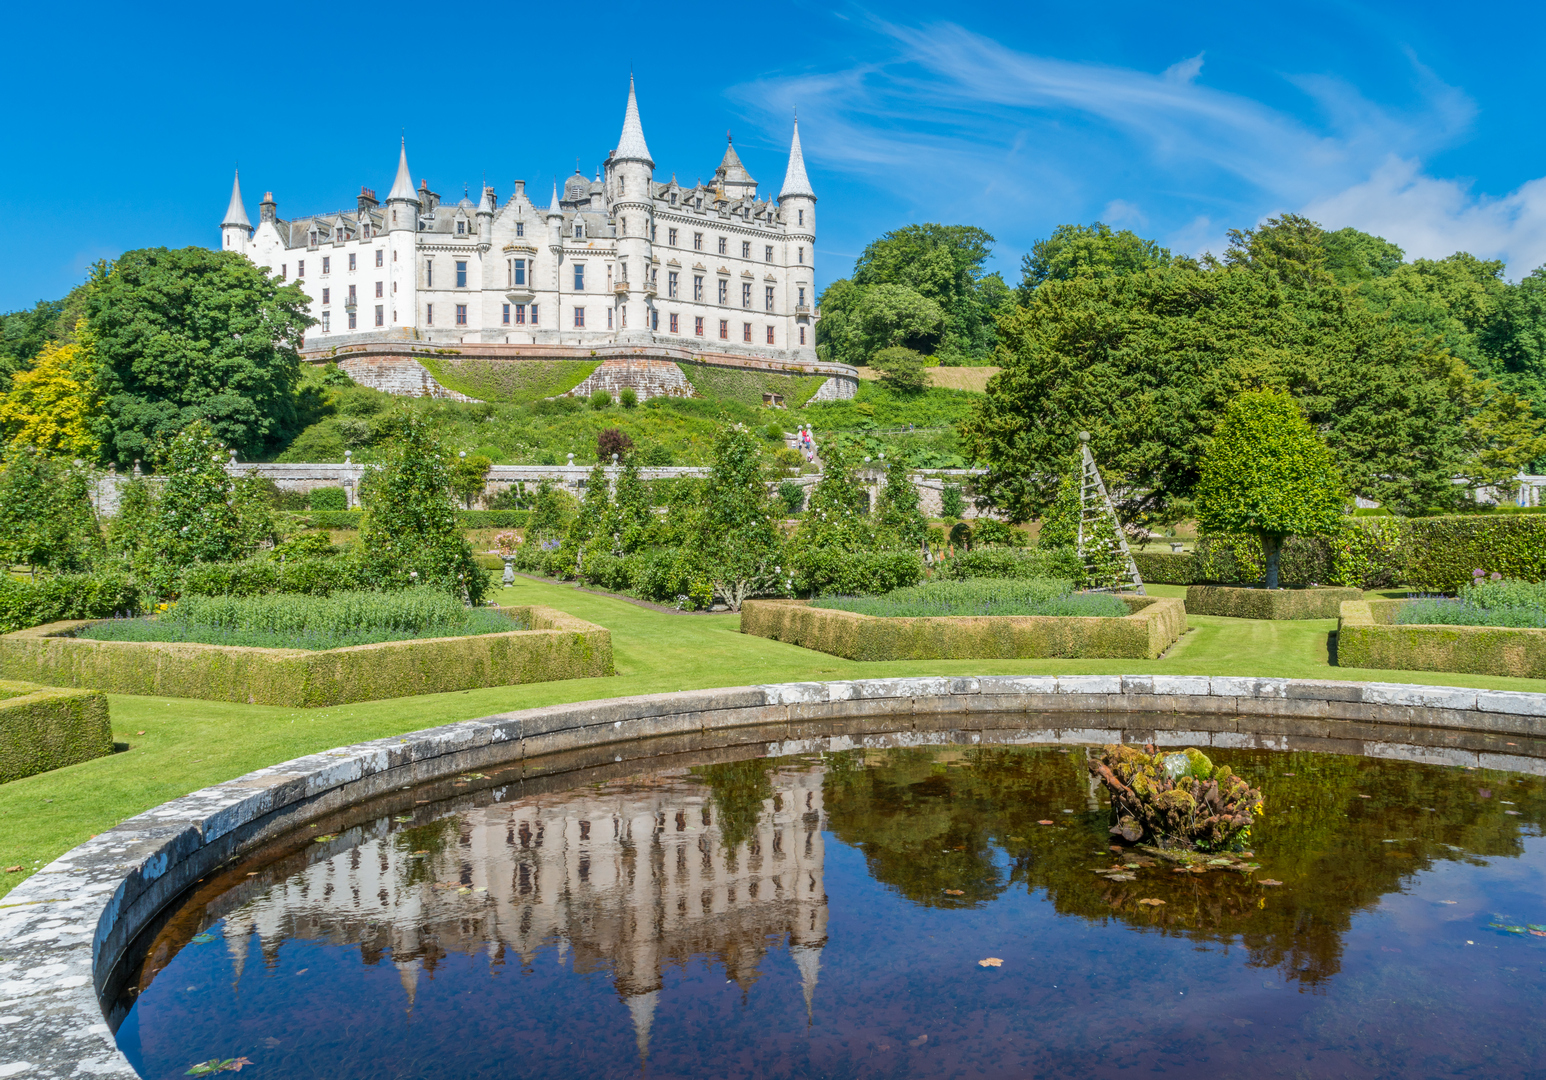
[[65, 931]]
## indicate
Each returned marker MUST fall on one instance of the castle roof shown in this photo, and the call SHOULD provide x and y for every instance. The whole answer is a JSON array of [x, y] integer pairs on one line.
[[236, 214], [402, 187], [630, 145], [795, 180], [730, 168]]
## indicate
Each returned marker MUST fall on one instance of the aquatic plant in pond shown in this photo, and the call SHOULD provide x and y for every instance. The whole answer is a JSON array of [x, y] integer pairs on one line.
[[981, 596], [296, 621], [1483, 602], [1176, 798]]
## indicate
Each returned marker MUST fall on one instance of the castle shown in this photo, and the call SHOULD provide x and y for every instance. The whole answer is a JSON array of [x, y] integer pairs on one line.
[[621, 259]]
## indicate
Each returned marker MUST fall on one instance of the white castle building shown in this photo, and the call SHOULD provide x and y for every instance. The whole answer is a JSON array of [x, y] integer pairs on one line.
[[620, 259]]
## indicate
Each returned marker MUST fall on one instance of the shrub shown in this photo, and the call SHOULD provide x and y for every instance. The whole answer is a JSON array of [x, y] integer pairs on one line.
[[1249, 603], [327, 498], [742, 546], [1442, 551], [285, 501], [1482, 603], [469, 476], [902, 369], [307, 545], [1167, 567], [600, 400], [1038, 596], [792, 495], [68, 596], [492, 519], [1038, 562], [952, 502], [612, 441], [628, 397], [45, 727], [46, 517], [833, 570], [316, 576]]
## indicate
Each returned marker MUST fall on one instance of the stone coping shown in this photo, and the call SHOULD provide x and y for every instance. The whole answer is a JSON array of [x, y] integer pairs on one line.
[[65, 931]]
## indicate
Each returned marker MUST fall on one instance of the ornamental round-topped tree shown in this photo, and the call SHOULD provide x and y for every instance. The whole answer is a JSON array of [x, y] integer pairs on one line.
[[1268, 473]]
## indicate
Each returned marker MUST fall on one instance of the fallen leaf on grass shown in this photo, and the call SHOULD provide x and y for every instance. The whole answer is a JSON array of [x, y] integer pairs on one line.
[[955, 892], [1267, 881], [139, 733], [13, 869], [991, 961], [1151, 901]]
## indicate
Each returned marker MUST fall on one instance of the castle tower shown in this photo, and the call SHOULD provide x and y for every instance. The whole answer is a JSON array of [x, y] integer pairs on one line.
[[402, 204], [798, 202], [486, 208], [235, 229], [731, 177], [630, 172]]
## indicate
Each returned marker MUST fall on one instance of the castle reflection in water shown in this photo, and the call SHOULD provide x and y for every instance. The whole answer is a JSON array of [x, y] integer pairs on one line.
[[634, 875]]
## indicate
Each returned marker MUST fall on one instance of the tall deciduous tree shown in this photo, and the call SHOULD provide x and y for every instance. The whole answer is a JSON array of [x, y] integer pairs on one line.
[[1269, 474], [1093, 251], [52, 405], [46, 518], [192, 335], [742, 545]]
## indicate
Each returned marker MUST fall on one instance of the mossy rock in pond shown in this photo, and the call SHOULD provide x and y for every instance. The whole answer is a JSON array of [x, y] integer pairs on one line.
[[1176, 799]]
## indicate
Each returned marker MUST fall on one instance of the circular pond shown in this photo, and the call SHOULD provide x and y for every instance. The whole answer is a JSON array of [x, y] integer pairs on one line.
[[896, 911]]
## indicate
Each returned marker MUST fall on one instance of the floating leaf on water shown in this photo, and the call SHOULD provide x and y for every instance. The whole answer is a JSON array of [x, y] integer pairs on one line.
[[1121, 877], [991, 961], [216, 1065], [1267, 881], [324, 838], [202, 939], [1149, 900], [1538, 933], [1535, 926], [1045, 821], [1220, 862], [1449, 901], [955, 892]]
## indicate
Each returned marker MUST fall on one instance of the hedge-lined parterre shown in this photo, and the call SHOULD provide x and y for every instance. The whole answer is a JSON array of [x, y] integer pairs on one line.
[[1368, 636], [47, 727]]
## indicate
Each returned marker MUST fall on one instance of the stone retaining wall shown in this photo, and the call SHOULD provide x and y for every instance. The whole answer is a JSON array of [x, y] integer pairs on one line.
[[65, 931]]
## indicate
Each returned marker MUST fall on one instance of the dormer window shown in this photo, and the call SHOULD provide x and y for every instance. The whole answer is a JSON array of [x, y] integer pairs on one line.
[[700, 202], [461, 227], [312, 240], [520, 228], [579, 230]]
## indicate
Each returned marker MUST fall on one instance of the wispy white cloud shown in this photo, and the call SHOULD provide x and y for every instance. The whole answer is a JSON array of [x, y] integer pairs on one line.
[[956, 124]]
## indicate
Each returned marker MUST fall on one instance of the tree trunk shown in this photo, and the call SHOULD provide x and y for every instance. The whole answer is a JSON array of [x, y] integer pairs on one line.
[[1272, 546]]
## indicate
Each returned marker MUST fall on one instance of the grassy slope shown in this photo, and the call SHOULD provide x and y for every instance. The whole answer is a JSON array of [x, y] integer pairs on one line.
[[747, 387], [508, 381], [191, 744]]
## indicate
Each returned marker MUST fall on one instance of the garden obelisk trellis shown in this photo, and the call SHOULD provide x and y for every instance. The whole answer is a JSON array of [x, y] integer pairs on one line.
[[1096, 517]]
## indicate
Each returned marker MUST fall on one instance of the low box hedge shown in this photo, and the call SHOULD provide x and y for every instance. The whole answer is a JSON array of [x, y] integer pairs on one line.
[[1153, 626], [467, 519], [45, 727], [1369, 637], [1240, 602], [558, 646]]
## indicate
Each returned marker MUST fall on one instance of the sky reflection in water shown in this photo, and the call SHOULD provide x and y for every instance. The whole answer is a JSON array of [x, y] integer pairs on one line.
[[825, 917]]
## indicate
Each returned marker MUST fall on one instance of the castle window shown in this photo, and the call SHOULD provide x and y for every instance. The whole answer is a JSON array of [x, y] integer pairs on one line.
[[429, 273], [746, 332], [697, 325], [352, 295], [380, 315], [674, 328], [579, 277], [801, 259], [520, 314], [327, 296], [327, 321], [461, 228], [461, 275], [767, 297], [520, 228], [623, 312], [671, 237], [351, 261], [802, 216], [770, 335], [579, 318], [379, 285], [746, 249], [654, 319], [429, 314], [802, 335], [351, 320], [300, 268], [284, 271], [380, 257], [461, 314], [724, 245], [520, 271], [697, 240], [767, 253], [724, 329], [327, 264], [534, 314], [700, 202], [506, 319], [671, 284], [802, 296], [746, 294], [673, 198], [724, 292], [609, 318], [697, 287], [652, 233], [579, 230], [311, 238]]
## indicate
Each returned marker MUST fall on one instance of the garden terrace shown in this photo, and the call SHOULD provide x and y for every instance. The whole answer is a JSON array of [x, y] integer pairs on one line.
[[1370, 634]]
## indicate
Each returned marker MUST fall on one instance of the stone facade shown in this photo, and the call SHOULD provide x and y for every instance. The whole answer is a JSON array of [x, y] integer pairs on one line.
[[618, 258]]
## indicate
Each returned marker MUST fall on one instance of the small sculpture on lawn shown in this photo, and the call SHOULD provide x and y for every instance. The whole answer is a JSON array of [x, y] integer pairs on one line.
[[1177, 799]]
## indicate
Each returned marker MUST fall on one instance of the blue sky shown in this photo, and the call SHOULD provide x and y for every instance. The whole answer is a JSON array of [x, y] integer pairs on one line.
[[1416, 121]]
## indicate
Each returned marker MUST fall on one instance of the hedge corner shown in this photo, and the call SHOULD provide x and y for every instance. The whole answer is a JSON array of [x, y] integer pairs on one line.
[[1369, 637], [44, 728]]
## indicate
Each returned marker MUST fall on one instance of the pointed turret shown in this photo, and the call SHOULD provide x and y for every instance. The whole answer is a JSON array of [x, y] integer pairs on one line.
[[554, 210], [731, 171], [807, 958], [402, 186], [630, 145], [236, 214], [795, 180]]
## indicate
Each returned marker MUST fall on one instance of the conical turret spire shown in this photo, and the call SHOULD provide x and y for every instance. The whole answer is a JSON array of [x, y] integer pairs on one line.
[[795, 180], [402, 187], [236, 214], [554, 210], [630, 145]]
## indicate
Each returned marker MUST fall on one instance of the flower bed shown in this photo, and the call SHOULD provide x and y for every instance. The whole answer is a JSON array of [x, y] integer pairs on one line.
[[558, 646], [1369, 636], [1241, 602], [44, 727], [1153, 625]]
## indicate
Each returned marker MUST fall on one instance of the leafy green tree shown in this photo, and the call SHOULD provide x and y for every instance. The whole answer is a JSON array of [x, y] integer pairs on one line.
[[1268, 473], [409, 534], [898, 509], [738, 527], [1353, 256], [46, 518], [24, 333], [952, 503], [51, 406], [1060, 524], [1094, 251], [634, 508], [903, 369], [195, 334], [1290, 248], [551, 510], [469, 476]]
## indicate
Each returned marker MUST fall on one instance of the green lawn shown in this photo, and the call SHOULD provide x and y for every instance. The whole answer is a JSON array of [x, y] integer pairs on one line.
[[176, 746]]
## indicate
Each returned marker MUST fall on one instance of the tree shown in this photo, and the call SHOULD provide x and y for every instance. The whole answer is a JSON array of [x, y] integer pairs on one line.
[[551, 510], [1353, 256], [52, 404], [738, 528], [1147, 362], [612, 442], [46, 518], [192, 335], [409, 534], [897, 508], [469, 476], [1094, 251], [1290, 248], [902, 369], [23, 334], [1269, 474]]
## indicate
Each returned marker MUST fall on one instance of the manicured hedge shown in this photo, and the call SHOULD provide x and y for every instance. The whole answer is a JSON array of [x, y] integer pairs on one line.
[[1247, 603], [1006, 562], [67, 596], [327, 498], [1442, 551], [327, 519], [558, 646], [1367, 638], [45, 727], [1154, 625], [1167, 567]]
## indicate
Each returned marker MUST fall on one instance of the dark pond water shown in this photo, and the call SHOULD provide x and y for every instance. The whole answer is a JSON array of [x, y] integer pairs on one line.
[[825, 916]]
